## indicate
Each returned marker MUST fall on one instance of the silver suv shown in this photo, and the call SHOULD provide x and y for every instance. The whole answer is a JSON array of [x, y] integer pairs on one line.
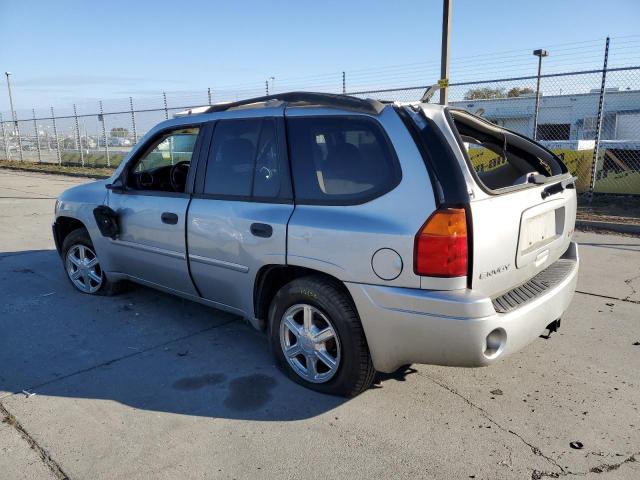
[[360, 235]]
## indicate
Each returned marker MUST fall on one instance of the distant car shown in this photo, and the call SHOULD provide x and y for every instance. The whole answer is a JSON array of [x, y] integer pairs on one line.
[[119, 142], [357, 234]]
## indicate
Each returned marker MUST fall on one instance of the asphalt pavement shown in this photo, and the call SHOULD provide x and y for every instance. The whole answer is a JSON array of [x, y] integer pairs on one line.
[[146, 385]]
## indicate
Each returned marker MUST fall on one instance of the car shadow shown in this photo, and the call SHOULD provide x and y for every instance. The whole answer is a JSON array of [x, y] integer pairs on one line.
[[143, 348]]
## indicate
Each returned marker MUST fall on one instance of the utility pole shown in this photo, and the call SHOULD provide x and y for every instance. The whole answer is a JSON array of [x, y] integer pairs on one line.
[[13, 115], [540, 53], [444, 59]]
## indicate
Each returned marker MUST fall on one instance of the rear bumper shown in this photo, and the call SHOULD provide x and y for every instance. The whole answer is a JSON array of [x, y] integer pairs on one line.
[[405, 326]]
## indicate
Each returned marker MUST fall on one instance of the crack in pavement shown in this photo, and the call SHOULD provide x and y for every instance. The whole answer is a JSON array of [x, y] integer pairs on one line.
[[633, 290], [536, 474], [118, 359], [45, 456], [12, 421], [485, 414], [628, 300], [602, 468]]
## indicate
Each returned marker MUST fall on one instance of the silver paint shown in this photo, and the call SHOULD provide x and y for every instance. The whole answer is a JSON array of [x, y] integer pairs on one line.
[[406, 318]]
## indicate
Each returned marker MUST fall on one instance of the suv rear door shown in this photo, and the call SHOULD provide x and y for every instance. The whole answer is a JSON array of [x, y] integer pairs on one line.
[[523, 209], [522, 201], [237, 220]]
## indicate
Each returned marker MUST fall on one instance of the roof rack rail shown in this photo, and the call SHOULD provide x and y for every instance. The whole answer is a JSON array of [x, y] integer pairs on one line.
[[345, 102]]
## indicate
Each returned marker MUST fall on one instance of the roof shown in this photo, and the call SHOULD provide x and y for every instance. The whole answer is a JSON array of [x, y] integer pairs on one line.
[[331, 100]]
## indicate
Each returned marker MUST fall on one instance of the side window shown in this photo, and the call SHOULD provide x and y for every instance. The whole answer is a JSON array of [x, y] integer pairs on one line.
[[244, 160], [165, 164], [267, 177], [340, 159]]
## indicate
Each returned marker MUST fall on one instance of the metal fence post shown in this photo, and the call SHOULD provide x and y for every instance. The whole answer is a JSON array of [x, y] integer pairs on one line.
[[104, 134], [166, 110], [55, 133], [17, 131], [596, 147], [209, 94], [79, 139], [35, 126], [344, 83], [4, 139], [133, 121], [14, 117]]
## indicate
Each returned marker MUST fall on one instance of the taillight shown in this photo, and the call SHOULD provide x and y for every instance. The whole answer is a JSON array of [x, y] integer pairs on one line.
[[440, 248]]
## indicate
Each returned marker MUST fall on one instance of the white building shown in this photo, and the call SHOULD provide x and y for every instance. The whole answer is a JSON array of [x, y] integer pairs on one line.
[[565, 117]]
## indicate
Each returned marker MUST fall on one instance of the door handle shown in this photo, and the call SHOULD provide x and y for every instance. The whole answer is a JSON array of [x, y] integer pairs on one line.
[[261, 230], [169, 218]]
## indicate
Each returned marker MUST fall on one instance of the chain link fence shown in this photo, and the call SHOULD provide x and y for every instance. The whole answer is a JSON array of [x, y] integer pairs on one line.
[[566, 122], [576, 118]]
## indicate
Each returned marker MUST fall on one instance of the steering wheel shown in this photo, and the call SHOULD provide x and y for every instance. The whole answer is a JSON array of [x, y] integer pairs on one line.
[[144, 180], [178, 175]]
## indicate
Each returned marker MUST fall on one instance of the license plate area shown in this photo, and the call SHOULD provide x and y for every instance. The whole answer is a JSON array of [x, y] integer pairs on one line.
[[540, 228]]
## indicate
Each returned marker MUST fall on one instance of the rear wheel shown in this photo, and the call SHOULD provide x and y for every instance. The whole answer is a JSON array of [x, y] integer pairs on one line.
[[317, 338], [83, 266]]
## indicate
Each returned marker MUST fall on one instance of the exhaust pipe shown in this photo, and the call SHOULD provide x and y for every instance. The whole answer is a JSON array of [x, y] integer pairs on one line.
[[551, 328]]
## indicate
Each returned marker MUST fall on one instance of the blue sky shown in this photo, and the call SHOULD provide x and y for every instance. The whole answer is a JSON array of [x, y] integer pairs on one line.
[[65, 51]]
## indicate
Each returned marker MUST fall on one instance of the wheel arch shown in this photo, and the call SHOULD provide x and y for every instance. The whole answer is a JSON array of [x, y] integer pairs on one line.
[[62, 227], [271, 278]]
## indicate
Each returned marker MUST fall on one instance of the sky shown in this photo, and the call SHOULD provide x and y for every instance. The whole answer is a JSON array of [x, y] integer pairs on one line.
[[62, 51]]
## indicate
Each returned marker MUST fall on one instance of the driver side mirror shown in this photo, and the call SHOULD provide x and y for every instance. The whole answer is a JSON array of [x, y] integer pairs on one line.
[[116, 186]]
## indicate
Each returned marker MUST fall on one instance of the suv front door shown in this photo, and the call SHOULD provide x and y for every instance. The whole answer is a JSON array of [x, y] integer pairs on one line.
[[152, 211], [237, 220]]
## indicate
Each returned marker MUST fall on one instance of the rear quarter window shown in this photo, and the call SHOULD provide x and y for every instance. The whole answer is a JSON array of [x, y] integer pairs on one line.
[[340, 160]]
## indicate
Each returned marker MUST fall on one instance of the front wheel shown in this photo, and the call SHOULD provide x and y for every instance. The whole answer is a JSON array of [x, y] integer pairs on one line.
[[83, 266], [317, 338]]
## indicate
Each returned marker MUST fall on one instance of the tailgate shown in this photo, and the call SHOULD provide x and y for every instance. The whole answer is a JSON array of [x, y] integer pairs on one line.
[[523, 210], [517, 235]]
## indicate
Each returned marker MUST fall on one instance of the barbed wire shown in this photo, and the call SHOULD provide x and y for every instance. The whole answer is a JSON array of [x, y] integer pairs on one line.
[[566, 56]]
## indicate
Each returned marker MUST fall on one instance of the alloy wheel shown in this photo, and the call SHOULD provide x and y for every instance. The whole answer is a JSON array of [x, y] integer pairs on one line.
[[83, 268], [310, 343]]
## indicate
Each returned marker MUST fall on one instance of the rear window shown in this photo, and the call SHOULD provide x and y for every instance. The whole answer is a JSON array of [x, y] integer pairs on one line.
[[340, 159], [501, 158]]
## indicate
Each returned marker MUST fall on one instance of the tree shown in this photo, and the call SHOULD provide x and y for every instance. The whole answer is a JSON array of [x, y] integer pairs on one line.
[[483, 93], [517, 91], [119, 132]]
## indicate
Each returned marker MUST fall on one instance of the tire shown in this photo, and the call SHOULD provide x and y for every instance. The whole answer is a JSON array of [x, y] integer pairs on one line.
[[76, 246], [332, 312]]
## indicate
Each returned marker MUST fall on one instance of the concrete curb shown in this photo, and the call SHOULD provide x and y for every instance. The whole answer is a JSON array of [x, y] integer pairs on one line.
[[612, 227]]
